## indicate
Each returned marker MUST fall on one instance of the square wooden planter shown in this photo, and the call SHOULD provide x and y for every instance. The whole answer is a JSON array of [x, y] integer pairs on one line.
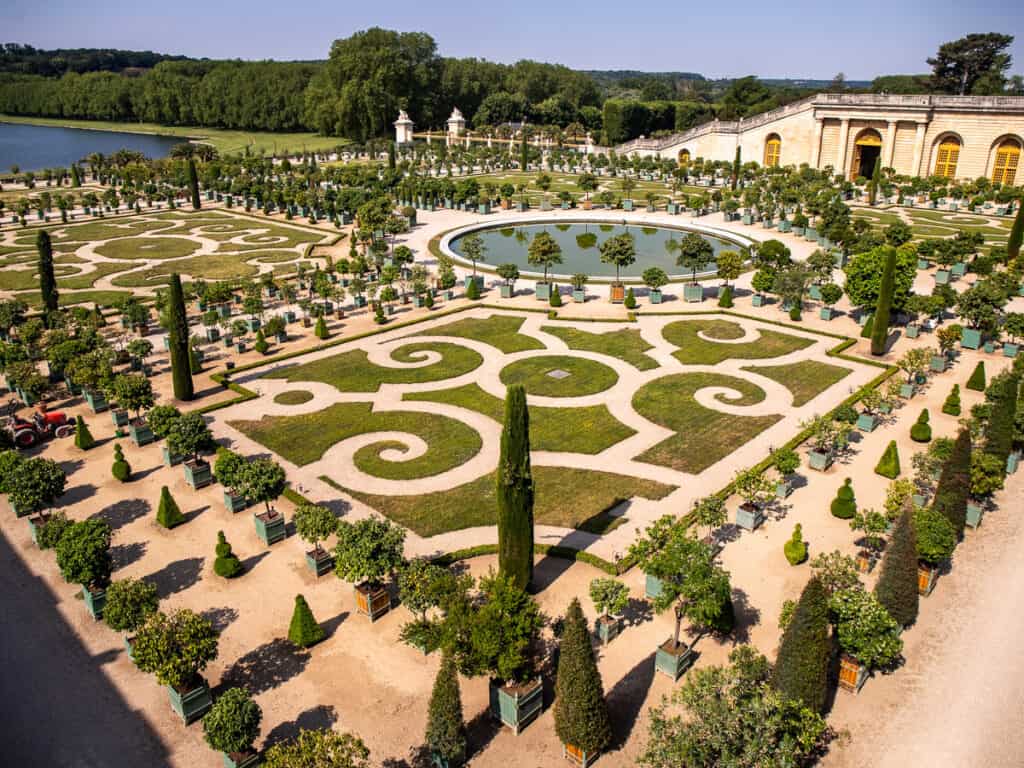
[[319, 561], [94, 599], [758, 300], [119, 417], [1012, 462], [608, 628], [35, 523], [270, 526], [673, 661], [867, 422], [820, 461], [372, 601], [970, 338], [926, 577], [655, 296], [516, 705], [907, 391], [783, 488], [579, 296], [234, 502], [577, 756], [193, 703], [617, 293], [198, 474], [852, 674], [913, 331], [826, 313], [141, 434], [749, 516], [506, 291]]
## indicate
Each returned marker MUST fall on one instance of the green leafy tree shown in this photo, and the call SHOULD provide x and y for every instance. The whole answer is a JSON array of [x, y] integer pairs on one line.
[[975, 63], [168, 514], [619, 251], [801, 667], [189, 435], [34, 484], [897, 587], [368, 551], [160, 418], [226, 565], [581, 712], [304, 630], [314, 524], [134, 392], [934, 535], [446, 730], [1016, 237], [545, 252], [83, 553], [694, 254], [130, 603], [514, 492], [322, 748], [262, 480], [955, 483], [52, 529], [177, 331], [865, 629], [880, 329], [865, 271], [473, 248], [175, 647], [233, 722]]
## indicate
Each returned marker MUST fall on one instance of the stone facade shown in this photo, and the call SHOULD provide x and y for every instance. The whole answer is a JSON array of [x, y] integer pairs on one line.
[[980, 135]]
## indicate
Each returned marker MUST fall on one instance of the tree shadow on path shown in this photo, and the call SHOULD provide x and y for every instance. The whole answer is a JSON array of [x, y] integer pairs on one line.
[[626, 699], [267, 666]]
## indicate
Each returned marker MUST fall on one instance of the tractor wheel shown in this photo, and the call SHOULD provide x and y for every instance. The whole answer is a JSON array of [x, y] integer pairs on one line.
[[25, 438], [64, 430]]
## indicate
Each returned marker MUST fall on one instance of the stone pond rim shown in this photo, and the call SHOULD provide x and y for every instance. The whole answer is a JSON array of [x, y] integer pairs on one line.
[[721, 239]]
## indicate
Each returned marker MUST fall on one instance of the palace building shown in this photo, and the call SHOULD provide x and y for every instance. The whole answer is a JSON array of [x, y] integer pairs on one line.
[[959, 137]]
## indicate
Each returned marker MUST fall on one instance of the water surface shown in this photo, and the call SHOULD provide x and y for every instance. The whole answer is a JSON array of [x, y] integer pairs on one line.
[[35, 147]]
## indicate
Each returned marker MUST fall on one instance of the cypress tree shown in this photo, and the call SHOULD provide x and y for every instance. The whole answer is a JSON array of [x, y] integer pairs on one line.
[[446, 731], [177, 330], [524, 154], [955, 483], [897, 582], [977, 380], [889, 464], [1002, 395], [736, 165], [801, 667], [47, 280], [952, 405], [83, 437], [304, 630], [227, 564], [168, 514], [880, 326], [581, 712], [514, 492], [876, 181], [391, 155], [1016, 234], [76, 176], [193, 185]]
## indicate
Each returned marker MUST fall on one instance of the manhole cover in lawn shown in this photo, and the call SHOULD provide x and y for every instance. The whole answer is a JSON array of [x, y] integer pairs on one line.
[[558, 373]]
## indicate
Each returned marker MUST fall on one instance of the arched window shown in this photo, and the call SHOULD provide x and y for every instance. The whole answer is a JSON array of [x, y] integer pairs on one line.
[[946, 157], [772, 148], [1007, 161], [684, 157]]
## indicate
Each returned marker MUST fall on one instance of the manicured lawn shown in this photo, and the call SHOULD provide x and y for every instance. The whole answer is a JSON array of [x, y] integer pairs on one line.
[[588, 430], [703, 436], [353, 372], [806, 379], [626, 344], [88, 279], [67, 298], [148, 248], [586, 377], [501, 331], [303, 439], [693, 350], [293, 397], [571, 498], [216, 266]]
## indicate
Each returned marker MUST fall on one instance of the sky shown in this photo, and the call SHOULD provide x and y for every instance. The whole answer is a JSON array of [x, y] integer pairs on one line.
[[800, 39]]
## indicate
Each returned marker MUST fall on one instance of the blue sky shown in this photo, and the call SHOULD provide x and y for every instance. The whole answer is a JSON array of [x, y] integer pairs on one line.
[[805, 38]]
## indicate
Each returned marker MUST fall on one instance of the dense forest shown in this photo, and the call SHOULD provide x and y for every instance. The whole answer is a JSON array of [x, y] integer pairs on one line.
[[370, 75]]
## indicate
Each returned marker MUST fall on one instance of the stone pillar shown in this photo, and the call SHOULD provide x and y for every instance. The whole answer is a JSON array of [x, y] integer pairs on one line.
[[890, 144], [844, 137], [819, 125], [918, 149]]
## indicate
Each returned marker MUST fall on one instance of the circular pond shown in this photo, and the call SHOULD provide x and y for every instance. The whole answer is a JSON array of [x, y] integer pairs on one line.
[[580, 241]]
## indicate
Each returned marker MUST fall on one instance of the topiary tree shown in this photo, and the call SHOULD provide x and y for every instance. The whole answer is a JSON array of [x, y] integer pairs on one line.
[[555, 298], [83, 437], [83, 553], [581, 712], [951, 406], [473, 290], [226, 565], [514, 492], [880, 328], [130, 602], [955, 483], [844, 505], [304, 630], [121, 469], [175, 647], [320, 331], [446, 731], [795, 548], [897, 583], [233, 723], [323, 748], [889, 465], [161, 418], [168, 514], [921, 432], [802, 664], [977, 379]]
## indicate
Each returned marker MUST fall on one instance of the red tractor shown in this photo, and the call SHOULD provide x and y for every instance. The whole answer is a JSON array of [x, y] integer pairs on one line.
[[43, 426]]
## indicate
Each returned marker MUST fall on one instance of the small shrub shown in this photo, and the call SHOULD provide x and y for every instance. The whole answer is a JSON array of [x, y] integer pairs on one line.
[[977, 380], [846, 414], [921, 432], [378, 315], [428, 301], [121, 469], [50, 532], [725, 297], [261, 345], [630, 301], [952, 405], [320, 331], [865, 332], [473, 290], [794, 313], [168, 514], [796, 548], [227, 565], [555, 299], [83, 437], [303, 630], [888, 466], [844, 505]]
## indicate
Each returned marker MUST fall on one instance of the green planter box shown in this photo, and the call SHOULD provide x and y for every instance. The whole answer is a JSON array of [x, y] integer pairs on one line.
[[942, 277], [785, 225], [119, 417], [94, 601], [673, 209], [655, 296], [810, 233], [798, 231], [34, 524], [840, 259], [224, 310], [579, 295], [974, 514], [923, 264], [913, 330], [938, 363], [516, 706], [198, 474], [758, 300], [141, 434], [97, 402], [970, 338], [693, 292], [749, 516], [814, 292], [747, 219], [212, 335], [240, 760], [319, 562], [1012, 462], [1010, 350], [170, 459], [783, 489], [478, 279], [652, 586], [989, 347], [483, 208], [607, 628], [673, 663], [419, 300], [819, 461], [885, 407], [867, 422], [506, 291], [234, 502], [919, 500], [907, 391], [192, 704], [959, 269], [270, 526], [542, 291], [826, 313]]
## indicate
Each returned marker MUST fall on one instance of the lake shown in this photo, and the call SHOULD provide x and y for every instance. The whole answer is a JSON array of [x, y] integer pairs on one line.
[[35, 147]]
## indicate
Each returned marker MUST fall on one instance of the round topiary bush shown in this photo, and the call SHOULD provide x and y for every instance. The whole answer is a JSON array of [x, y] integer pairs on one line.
[[121, 469], [796, 548], [794, 314], [921, 432], [227, 564], [844, 505]]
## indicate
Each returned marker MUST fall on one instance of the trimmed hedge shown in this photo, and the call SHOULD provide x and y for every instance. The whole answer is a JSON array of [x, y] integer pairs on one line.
[[889, 465], [795, 548], [921, 432], [977, 380], [951, 406], [844, 505]]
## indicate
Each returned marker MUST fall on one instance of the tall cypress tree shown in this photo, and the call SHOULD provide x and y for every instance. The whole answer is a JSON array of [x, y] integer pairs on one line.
[[897, 583], [955, 483], [47, 280], [801, 668], [581, 712], [1016, 234], [736, 165], [76, 176], [524, 153], [177, 331], [880, 327], [515, 492], [876, 181], [193, 184], [1002, 396], [446, 731], [391, 155]]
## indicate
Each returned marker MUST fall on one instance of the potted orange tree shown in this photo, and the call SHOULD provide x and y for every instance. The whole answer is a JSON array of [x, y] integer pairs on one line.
[[130, 603], [619, 251], [869, 638], [83, 556], [232, 725], [314, 524], [369, 551], [936, 540], [610, 598], [189, 436]]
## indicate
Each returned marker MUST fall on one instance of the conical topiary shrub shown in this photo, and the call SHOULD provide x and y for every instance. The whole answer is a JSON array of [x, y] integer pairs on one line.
[[888, 465], [977, 380], [83, 437], [801, 666], [473, 290], [321, 328], [227, 563], [304, 631], [897, 587], [168, 514], [844, 505], [446, 730], [630, 301], [121, 469], [555, 299], [868, 329], [725, 297], [921, 432], [796, 548], [952, 405], [261, 345], [581, 712]]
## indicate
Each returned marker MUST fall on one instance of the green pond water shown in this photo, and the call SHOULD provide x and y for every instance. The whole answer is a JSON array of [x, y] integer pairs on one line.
[[580, 243]]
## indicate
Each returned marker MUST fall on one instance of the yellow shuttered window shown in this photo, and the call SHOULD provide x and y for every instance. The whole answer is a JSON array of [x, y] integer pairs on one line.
[[772, 148], [1007, 162], [946, 159]]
